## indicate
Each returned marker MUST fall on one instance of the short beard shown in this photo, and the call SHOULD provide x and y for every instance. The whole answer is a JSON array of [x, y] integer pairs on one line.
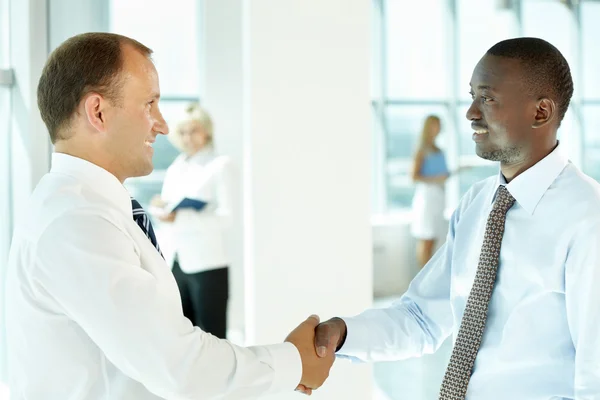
[[506, 156]]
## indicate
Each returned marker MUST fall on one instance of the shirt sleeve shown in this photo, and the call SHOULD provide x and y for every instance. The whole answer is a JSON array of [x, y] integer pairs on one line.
[[582, 280], [90, 268], [416, 324]]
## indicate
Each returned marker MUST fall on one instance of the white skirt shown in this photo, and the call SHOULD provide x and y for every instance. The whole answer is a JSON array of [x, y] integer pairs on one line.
[[428, 220]]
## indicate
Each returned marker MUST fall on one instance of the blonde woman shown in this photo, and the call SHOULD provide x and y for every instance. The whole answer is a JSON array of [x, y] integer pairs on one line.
[[201, 261], [429, 174]]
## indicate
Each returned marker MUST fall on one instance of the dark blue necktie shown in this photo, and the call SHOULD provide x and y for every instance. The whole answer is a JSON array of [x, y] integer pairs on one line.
[[140, 217]]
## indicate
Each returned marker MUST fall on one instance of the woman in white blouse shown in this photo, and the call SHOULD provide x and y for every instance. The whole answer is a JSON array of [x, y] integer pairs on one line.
[[200, 260]]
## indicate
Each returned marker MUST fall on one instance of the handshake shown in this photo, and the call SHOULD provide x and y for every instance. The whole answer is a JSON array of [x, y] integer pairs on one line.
[[317, 343]]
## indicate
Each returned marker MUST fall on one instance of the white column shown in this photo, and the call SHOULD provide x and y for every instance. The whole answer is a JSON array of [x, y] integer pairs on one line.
[[290, 96], [30, 141]]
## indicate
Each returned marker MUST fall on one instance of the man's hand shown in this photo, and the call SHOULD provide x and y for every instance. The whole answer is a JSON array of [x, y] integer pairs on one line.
[[329, 335], [315, 369]]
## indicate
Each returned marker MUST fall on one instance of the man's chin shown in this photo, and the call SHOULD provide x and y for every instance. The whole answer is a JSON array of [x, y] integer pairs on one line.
[[148, 170], [143, 171], [487, 153]]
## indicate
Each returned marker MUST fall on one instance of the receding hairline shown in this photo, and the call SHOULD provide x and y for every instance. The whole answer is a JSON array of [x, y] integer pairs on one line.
[[125, 44], [142, 48]]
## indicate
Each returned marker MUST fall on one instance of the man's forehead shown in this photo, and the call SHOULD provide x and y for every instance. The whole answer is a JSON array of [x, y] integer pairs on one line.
[[141, 71], [494, 71]]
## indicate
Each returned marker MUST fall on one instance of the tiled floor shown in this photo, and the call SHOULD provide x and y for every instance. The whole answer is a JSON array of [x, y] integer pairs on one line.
[[414, 379]]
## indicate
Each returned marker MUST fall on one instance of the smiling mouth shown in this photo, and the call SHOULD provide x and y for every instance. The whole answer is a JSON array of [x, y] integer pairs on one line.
[[480, 135], [148, 143]]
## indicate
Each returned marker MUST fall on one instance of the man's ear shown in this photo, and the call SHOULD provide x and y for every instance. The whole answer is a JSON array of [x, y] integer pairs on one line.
[[94, 107], [545, 112]]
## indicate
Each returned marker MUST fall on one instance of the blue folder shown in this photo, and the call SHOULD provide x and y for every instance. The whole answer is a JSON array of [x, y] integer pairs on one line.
[[190, 203]]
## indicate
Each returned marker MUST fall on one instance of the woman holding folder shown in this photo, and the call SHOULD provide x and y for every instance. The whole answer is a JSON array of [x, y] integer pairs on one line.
[[196, 201]]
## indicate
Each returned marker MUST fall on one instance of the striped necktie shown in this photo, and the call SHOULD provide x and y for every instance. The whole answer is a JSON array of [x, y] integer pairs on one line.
[[141, 218]]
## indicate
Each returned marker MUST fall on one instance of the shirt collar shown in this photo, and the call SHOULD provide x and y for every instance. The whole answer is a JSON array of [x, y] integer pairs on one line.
[[529, 187], [96, 178]]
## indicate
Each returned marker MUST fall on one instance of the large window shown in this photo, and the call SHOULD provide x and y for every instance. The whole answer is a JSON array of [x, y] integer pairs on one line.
[[590, 87], [172, 33], [424, 56], [590, 33], [591, 120], [423, 66], [403, 123], [422, 21]]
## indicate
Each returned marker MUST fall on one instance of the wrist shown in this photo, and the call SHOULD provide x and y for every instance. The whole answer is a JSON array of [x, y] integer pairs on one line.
[[343, 332]]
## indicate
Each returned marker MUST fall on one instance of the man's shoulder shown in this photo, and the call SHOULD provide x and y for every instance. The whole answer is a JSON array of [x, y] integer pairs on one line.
[[56, 200], [579, 191], [54, 217], [573, 177]]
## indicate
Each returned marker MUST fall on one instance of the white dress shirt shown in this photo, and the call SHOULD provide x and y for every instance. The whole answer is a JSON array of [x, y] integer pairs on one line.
[[93, 310], [542, 338], [198, 237]]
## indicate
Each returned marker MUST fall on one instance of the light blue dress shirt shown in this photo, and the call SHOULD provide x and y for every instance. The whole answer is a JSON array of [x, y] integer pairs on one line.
[[542, 338]]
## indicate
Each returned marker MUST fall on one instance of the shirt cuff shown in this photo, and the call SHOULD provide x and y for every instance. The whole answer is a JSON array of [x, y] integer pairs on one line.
[[357, 338], [287, 366]]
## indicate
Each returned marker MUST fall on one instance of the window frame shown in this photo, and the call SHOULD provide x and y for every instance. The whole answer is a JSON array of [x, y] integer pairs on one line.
[[381, 101]]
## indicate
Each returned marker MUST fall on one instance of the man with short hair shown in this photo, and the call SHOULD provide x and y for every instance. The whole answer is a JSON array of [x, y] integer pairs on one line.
[[93, 311], [516, 283]]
